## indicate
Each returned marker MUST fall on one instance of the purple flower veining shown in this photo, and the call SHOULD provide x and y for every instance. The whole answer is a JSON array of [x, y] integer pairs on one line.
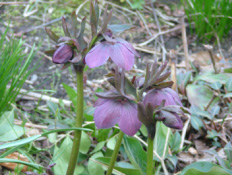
[[155, 98], [108, 112], [63, 54], [120, 51]]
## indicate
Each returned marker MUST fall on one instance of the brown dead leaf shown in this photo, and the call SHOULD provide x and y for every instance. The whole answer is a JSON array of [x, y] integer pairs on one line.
[[201, 60], [32, 132], [192, 151], [186, 157], [200, 146], [16, 156]]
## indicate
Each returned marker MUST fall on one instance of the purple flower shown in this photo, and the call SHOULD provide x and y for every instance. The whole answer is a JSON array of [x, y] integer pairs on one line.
[[63, 54], [120, 51], [155, 98], [108, 112]]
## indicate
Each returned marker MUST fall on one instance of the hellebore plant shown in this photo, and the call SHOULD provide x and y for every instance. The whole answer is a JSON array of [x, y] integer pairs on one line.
[[72, 49], [125, 104]]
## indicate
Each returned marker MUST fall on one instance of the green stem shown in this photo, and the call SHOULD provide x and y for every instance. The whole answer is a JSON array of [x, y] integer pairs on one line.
[[150, 156], [78, 123], [115, 153]]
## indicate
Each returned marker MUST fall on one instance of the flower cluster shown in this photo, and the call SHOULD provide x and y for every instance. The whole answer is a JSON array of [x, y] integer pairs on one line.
[[125, 104]]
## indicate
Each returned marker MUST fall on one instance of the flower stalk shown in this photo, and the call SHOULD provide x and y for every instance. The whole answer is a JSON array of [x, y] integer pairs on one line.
[[150, 167], [79, 119], [115, 153]]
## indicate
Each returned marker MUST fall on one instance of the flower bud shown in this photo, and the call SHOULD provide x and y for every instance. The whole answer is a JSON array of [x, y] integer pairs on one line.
[[63, 54]]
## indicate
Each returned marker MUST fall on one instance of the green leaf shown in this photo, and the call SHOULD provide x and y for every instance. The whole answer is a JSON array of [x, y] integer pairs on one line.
[[200, 95], [13, 134], [196, 122], [98, 147], [135, 153], [33, 165], [216, 85], [228, 151], [61, 158], [228, 95], [122, 167], [85, 143], [205, 168], [111, 143], [20, 142], [229, 84], [210, 77], [71, 93], [93, 167], [119, 28], [6, 121], [175, 141], [160, 138], [32, 138]]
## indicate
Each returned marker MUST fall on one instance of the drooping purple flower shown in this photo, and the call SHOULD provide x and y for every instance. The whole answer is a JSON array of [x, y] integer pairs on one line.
[[171, 120], [63, 54], [120, 51], [156, 97], [108, 112]]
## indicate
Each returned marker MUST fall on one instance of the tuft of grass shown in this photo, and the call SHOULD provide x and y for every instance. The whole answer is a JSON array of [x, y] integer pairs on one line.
[[13, 69], [211, 18]]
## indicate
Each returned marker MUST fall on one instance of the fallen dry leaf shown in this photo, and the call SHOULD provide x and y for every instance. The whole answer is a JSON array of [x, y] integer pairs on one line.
[[16, 156], [201, 60]]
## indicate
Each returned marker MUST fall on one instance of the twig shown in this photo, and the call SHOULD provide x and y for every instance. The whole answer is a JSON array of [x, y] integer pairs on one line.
[[185, 43], [40, 26], [30, 125], [163, 156], [13, 3], [184, 131], [122, 8], [154, 152], [210, 50], [158, 34], [144, 22], [161, 37], [210, 102], [44, 97]]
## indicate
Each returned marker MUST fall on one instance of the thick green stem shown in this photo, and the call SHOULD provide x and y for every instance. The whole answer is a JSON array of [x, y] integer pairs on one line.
[[150, 156], [115, 153], [78, 123]]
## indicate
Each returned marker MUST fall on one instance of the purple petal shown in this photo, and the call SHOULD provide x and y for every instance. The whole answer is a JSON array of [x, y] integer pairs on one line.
[[129, 122], [128, 46], [62, 54], [155, 97], [174, 95], [98, 55], [172, 120], [107, 113], [122, 56]]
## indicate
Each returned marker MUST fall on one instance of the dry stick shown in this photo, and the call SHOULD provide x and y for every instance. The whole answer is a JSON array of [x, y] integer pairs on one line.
[[13, 3], [158, 34], [184, 131], [210, 102], [144, 22], [210, 50], [44, 97], [161, 36], [173, 75], [185, 43], [30, 125], [163, 156], [218, 40]]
